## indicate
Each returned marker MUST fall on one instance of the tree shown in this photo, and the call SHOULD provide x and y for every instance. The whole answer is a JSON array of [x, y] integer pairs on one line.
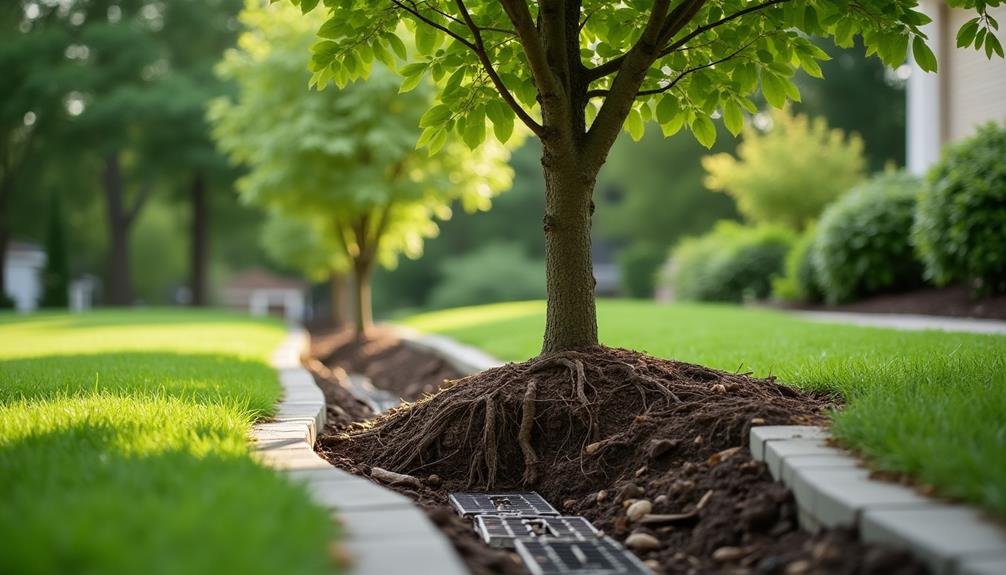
[[343, 161], [787, 173], [576, 72], [56, 277]]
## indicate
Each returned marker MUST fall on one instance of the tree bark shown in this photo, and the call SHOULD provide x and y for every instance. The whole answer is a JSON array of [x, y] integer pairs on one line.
[[5, 187], [120, 288], [364, 312], [571, 317], [200, 241], [338, 298]]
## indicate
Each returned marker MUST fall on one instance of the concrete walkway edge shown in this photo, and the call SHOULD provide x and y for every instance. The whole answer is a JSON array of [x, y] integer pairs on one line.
[[832, 490], [466, 359], [383, 532]]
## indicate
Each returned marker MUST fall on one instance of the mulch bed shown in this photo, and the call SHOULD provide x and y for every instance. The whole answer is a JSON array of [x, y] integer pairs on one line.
[[607, 433], [948, 302]]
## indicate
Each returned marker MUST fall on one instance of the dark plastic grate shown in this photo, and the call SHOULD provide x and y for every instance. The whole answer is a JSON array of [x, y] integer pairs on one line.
[[595, 557], [503, 530], [520, 503]]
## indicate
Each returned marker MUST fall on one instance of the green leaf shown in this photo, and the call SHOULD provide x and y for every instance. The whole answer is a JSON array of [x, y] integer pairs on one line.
[[667, 108], [704, 130], [733, 118], [924, 57], [966, 35], [434, 116], [307, 5], [992, 45], [397, 45], [773, 88], [475, 130], [674, 125], [502, 118], [634, 125]]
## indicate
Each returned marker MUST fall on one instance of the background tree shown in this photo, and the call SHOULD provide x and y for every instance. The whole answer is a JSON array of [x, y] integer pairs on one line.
[[576, 72], [787, 172], [342, 161], [56, 277]]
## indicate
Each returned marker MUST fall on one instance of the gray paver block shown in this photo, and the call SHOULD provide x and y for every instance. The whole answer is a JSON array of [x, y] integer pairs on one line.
[[791, 464], [761, 434], [778, 451], [428, 557], [355, 495], [397, 523], [302, 430], [993, 565], [838, 496], [303, 458], [328, 474], [941, 535]]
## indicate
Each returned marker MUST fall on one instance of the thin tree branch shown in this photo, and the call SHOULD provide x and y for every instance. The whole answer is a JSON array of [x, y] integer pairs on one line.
[[480, 51], [520, 17], [138, 203], [415, 12], [611, 66], [693, 69]]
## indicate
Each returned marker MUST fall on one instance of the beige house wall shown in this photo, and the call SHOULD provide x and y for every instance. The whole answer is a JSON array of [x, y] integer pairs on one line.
[[975, 86]]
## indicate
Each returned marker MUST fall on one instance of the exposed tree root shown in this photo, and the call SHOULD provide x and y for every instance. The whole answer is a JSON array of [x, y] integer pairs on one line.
[[504, 426]]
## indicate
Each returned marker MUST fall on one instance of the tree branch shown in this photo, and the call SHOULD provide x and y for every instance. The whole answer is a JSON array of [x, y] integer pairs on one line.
[[480, 51], [684, 73], [415, 12], [520, 16], [138, 204], [611, 66]]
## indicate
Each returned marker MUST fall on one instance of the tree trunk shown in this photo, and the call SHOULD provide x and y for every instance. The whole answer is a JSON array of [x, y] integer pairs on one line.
[[120, 289], [361, 291], [5, 186], [338, 299], [200, 241], [571, 318]]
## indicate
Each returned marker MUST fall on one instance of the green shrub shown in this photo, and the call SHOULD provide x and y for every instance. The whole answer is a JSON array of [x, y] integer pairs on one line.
[[799, 280], [496, 272], [960, 222], [640, 264], [732, 263], [863, 244]]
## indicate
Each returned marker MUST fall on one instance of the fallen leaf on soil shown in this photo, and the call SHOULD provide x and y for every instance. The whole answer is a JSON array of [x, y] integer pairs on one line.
[[392, 478]]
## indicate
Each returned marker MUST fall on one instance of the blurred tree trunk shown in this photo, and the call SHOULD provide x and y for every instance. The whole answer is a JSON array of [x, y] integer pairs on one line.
[[362, 297], [120, 220], [4, 235], [339, 298], [200, 241]]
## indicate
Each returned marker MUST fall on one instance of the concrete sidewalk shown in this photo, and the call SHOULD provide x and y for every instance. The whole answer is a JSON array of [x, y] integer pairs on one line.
[[908, 322]]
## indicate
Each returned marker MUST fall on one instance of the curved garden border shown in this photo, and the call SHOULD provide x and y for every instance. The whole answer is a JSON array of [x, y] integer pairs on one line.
[[382, 531], [831, 489]]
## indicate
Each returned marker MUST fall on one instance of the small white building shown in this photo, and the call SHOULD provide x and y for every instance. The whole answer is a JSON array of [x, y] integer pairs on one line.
[[23, 268], [263, 293], [969, 90]]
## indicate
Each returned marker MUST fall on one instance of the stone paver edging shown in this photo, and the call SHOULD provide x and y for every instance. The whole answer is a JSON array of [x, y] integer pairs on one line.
[[908, 322], [832, 490], [382, 531]]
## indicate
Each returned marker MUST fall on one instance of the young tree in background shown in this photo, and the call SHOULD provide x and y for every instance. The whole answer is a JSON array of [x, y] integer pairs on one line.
[[576, 72], [342, 161], [56, 277], [789, 171]]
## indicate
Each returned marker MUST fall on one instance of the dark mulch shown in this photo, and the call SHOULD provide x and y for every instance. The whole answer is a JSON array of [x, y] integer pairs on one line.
[[390, 364], [950, 302], [592, 430]]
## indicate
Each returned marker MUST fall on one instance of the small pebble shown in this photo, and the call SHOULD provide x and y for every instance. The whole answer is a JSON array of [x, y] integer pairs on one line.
[[434, 480], [569, 504], [728, 554], [601, 496], [659, 447], [638, 510], [798, 567], [757, 421], [660, 500], [641, 471], [630, 490], [719, 388], [593, 448], [642, 542], [628, 503]]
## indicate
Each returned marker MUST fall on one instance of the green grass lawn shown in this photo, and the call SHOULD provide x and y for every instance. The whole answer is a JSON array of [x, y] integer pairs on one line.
[[929, 403], [123, 448]]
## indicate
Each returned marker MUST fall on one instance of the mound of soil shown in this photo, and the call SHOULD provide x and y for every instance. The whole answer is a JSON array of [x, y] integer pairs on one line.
[[598, 430]]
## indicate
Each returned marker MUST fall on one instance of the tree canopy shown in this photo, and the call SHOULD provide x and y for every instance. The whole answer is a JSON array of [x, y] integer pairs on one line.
[[343, 161]]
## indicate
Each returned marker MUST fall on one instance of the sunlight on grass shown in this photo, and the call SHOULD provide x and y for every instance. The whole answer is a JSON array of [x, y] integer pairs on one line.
[[929, 403], [123, 448]]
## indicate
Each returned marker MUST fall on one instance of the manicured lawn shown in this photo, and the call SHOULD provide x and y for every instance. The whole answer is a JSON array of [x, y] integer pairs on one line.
[[929, 403], [123, 450]]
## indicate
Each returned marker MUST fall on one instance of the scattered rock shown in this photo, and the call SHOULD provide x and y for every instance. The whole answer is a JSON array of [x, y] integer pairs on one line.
[[757, 421], [659, 447], [642, 542], [698, 440], [653, 565], [392, 478], [601, 496], [729, 554], [638, 510], [569, 504], [721, 456], [641, 471], [628, 503], [593, 447], [660, 500], [719, 388], [434, 480], [630, 490], [798, 567]]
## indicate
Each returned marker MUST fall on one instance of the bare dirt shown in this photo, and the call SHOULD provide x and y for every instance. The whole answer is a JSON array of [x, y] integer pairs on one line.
[[598, 430], [943, 302]]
